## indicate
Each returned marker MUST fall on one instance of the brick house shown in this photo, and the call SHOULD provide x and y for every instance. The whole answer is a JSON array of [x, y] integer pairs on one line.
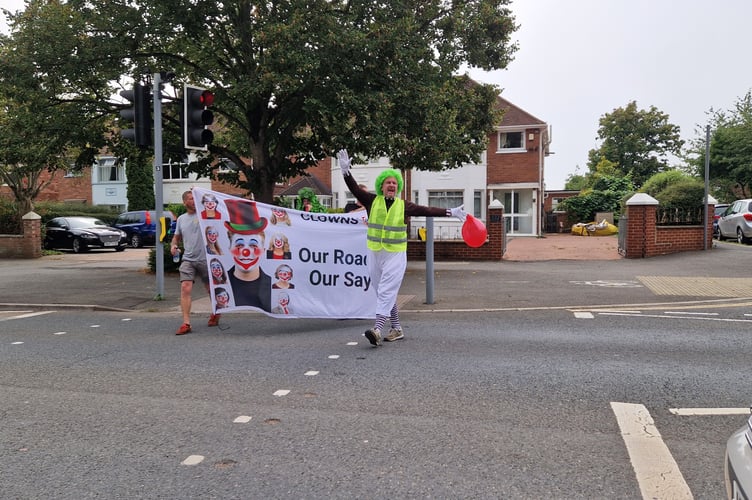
[[510, 171]]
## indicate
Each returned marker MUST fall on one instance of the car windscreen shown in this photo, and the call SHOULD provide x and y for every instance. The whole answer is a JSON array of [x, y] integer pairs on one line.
[[83, 222]]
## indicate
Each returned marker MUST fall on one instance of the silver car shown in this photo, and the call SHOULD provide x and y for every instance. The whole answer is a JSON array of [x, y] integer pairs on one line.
[[736, 222], [739, 464]]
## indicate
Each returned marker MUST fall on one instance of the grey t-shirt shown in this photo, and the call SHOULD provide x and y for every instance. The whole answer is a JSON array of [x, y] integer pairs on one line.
[[189, 229]]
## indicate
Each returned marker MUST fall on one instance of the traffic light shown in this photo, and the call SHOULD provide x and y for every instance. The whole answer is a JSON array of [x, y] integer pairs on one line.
[[197, 118], [138, 114]]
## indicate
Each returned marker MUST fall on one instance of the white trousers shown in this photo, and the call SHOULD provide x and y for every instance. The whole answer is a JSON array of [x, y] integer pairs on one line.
[[387, 270]]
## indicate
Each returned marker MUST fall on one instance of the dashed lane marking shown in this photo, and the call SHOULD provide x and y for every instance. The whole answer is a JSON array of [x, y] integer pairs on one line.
[[709, 411]]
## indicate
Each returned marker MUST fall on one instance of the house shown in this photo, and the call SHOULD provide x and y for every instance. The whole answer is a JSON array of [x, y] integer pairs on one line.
[[510, 171]]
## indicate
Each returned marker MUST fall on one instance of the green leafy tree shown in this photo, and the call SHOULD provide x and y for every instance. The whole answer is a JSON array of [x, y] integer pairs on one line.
[[730, 166], [637, 141], [606, 195], [294, 80]]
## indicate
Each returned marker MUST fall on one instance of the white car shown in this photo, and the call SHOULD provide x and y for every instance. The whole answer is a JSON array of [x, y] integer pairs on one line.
[[736, 222], [739, 463]]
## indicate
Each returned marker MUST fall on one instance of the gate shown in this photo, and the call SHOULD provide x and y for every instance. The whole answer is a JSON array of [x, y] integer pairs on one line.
[[623, 235]]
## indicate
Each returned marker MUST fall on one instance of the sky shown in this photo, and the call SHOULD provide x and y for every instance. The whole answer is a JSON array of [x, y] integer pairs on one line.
[[581, 59]]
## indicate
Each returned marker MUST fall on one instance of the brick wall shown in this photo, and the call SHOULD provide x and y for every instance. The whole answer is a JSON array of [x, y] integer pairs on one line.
[[645, 238], [457, 250], [513, 167], [23, 246]]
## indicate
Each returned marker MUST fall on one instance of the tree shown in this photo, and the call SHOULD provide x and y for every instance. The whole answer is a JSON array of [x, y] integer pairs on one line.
[[637, 141], [730, 167], [295, 80], [44, 129]]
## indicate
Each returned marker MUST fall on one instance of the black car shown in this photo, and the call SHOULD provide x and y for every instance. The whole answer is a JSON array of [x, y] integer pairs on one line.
[[83, 233], [142, 226], [719, 209]]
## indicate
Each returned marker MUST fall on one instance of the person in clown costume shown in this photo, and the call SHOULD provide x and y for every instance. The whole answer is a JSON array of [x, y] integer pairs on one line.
[[387, 242]]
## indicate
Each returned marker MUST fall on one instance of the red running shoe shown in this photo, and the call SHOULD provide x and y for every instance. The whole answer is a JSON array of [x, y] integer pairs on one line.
[[184, 328], [213, 320]]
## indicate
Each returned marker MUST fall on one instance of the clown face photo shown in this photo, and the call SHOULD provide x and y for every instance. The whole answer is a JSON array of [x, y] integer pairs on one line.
[[246, 250]]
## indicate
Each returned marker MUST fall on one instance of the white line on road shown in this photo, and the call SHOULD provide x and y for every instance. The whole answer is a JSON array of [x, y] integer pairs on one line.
[[242, 419], [281, 392], [27, 315], [583, 315], [709, 411], [691, 313], [701, 318], [193, 460], [655, 468]]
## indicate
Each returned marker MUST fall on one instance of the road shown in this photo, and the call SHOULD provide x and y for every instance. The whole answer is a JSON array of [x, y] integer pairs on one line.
[[507, 404]]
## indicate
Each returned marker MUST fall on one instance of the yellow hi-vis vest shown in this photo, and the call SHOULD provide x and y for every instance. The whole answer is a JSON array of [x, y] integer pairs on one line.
[[387, 229]]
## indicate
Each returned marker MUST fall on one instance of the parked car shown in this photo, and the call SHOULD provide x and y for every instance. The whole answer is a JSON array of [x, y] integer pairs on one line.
[[142, 226], [719, 209], [736, 221], [738, 469], [83, 233]]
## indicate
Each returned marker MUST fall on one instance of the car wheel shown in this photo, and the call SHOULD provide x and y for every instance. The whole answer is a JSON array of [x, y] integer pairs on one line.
[[740, 236], [136, 240], [78, 246]]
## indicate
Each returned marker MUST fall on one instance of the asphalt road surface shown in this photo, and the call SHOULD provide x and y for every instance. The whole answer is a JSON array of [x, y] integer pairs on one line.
[[508, 404]]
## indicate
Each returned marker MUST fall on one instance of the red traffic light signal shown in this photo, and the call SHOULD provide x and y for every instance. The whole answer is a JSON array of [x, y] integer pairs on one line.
[[197, 118]]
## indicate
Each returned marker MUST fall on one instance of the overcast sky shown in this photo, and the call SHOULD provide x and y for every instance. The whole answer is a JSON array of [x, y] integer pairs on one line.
[[581, 59]]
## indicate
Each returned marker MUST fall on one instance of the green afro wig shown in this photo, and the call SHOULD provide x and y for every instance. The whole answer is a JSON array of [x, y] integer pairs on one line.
[[389, 172]]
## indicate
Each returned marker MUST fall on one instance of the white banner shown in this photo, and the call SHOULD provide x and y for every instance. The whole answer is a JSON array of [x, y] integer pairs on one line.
[[284, 262]]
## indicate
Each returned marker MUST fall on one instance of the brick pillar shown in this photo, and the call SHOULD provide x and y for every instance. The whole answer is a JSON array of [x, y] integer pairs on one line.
[[495, 228], [640, 240], [32, 236]]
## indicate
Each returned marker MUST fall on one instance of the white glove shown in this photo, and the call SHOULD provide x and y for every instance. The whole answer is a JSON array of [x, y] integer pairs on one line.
[[344, 161], [458, 212]]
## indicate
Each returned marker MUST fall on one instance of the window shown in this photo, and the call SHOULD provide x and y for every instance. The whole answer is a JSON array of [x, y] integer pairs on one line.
[[445, 199], [478, 204], [512, 141], [108, 170], [173, 171], [226, 165], [555, 203], [415, 197]]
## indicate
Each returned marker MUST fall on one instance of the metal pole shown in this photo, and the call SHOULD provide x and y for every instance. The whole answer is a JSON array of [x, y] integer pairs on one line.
[[429, 260], [707, 187], [158, 191]]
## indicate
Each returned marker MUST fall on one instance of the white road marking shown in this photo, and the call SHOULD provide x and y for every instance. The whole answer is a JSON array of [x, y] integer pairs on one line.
[[333, 356], [281, 392], [709, 411], [701, 318], [26, 315], [193, 460], [242, 419], [311, 373], [657, 472], [95, 326], [583, 315], [16, 343], [352, 343], [125, 319], [59, 333], [691, 313]]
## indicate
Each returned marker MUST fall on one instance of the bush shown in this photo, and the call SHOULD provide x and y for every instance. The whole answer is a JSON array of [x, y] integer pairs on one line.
[[169, 265]]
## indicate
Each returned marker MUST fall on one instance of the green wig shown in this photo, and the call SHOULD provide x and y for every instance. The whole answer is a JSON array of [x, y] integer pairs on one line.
[[389, 172]]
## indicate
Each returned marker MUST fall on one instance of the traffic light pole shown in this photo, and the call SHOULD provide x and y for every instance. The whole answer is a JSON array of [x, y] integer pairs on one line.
[[158, 190]]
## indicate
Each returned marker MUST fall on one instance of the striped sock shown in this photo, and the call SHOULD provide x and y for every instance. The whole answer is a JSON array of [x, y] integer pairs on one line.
[[394, 318], [380, 322]]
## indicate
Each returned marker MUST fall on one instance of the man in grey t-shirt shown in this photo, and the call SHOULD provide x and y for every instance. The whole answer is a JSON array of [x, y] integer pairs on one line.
[[188, 231]]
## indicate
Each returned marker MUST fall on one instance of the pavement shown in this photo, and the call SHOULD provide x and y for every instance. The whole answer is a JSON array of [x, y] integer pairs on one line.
[[556, 271]]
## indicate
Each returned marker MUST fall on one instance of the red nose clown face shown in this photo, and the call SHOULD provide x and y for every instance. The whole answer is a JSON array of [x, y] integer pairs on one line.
[[212, 235], [223, 298], [216, 269], [278, 242], [246, 250]]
